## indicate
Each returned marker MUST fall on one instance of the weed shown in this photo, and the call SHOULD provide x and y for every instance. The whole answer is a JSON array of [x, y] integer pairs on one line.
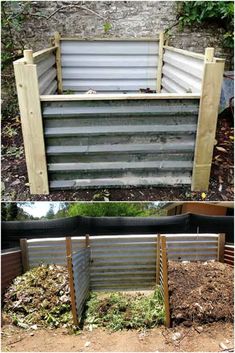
[[118, 311]]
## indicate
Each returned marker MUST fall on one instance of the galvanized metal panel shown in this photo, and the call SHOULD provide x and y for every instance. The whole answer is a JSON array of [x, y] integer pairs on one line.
[[47, 74], [181, 73], [109, 66], [120, 143]]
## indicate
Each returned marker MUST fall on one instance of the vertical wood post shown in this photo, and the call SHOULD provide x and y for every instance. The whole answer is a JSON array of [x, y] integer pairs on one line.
[[31, 121], [57, 39], [221, 244], [71, 281], [160, 61], [158, 260], [87, 240], [207, 120], [165, 282], [24, 254]]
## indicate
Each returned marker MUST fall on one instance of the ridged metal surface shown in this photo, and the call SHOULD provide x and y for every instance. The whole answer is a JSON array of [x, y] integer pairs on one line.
[[181, 73], [229, 254], [81, 277], [109, 66], [11, 267], [120, 143], [47, 75]]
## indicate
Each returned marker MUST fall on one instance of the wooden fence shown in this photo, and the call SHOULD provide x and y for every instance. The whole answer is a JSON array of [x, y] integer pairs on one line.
[[11, 266], [160, 146]]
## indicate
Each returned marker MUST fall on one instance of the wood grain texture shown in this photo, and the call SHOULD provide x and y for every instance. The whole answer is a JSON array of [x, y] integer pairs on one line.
[[58, 62], [207, 121], [221, 245], [165, 281], [32, 128], [160, 62]]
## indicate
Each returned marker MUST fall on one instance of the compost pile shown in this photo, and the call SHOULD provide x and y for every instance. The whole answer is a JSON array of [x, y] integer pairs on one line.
[[40, 297], [200, 292]]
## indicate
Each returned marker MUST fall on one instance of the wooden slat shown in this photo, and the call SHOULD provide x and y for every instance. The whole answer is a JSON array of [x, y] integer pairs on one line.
[[207, 120], [71, 279], [24, 254], [185, 52], [57, 39], [116, 96], [221, 243], [165, 281], [160, 62], [32, 128]]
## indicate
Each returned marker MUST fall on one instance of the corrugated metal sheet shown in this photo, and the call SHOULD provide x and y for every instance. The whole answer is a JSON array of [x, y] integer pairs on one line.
[[81, 276], [229, 254], [120, 143], [181, 73], [47, 74], [109, 66], [11, 267]]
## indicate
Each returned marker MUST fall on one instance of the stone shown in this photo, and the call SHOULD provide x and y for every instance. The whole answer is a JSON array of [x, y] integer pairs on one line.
[[176, 336]]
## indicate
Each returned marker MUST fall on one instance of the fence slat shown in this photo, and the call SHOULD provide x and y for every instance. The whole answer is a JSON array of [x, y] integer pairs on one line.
[[71, 279], [165, 281]]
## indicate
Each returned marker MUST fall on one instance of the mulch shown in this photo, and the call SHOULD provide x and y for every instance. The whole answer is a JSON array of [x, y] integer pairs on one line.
[[200, 292]]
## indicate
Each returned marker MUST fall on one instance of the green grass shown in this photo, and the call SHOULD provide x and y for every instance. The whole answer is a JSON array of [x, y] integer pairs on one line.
[[118, 311]]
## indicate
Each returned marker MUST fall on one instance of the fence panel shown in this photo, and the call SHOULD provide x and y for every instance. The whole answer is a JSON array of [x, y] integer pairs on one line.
[[81, 276], [229, 254], [11, 266], [46, 71], [120, 143], [182, 72], [109, 66]]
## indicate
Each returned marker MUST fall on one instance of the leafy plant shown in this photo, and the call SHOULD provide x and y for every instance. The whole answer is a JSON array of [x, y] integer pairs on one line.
[[107, 26], [118, 311], [208, 12]]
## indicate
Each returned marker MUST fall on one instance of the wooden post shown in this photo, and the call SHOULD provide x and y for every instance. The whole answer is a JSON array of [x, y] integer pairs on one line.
[[24, 254], [160, 62], [31, 121], [158, 260], [165, 282], [57, 39], [87, 240], [71, 280], [221, 244], [207, 121]]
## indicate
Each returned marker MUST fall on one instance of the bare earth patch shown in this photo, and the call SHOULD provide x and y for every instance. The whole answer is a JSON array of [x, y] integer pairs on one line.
[[100, 340]]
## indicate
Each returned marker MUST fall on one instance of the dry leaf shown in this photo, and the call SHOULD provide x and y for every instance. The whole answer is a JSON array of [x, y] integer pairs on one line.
[[221, 149], [203, 195]]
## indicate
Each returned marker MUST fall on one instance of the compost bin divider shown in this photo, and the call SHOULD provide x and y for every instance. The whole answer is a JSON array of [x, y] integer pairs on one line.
[[57, 41], [24, 254], [158, 259], [165, 281], [31, 120], [71, 278], [221, 245], [207, 120], [160, 62]]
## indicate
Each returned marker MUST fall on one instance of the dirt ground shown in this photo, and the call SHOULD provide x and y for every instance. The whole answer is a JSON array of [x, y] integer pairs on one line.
[[15, 181], [200, 292], [214, 337]]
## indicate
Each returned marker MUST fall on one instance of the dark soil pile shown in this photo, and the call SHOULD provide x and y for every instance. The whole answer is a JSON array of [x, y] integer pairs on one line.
[[40, 297], [200, 292]]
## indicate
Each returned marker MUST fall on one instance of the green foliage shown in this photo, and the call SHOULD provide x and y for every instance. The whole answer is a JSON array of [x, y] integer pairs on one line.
[[107, 26], [113, 209], [118, 311], [207, 12]]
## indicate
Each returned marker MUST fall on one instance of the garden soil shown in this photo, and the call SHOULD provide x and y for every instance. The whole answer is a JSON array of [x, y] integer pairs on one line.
[[200, 292]]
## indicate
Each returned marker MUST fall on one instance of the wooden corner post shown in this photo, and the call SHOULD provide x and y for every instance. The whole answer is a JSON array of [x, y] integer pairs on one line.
[[57, 40], [31, 122], [221, 244], [71, 280], [160, 61], [207, 120], [24, 254], [158, 260], [165, 281]]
